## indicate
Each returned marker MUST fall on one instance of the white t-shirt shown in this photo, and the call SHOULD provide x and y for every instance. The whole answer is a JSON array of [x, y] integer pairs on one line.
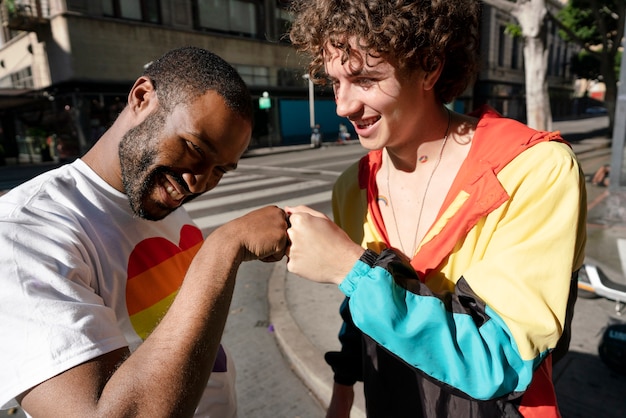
[[81, 276]]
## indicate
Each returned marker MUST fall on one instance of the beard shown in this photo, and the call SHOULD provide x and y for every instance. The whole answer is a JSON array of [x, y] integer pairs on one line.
[[138, 152]]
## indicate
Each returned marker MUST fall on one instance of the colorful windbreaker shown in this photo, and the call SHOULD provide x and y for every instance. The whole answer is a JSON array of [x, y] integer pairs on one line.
[[467, 328]]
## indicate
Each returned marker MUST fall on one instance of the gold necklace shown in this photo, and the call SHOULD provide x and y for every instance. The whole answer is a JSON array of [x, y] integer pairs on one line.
[[432, 174]]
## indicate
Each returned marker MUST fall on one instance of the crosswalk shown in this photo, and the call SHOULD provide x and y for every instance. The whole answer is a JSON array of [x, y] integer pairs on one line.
[[240, 192]]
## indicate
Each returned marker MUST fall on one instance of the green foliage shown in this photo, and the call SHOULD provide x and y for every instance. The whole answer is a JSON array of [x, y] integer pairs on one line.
[[581, 22], [579, 17], [10, 5], [593, 24], [513, 30]]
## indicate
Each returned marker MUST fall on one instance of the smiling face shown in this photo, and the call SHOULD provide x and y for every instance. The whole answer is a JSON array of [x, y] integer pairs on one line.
[[169, 159], [386, 107]]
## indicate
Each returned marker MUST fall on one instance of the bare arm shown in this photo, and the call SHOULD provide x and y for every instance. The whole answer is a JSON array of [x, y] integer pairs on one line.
[[166, 375], [340, 402]]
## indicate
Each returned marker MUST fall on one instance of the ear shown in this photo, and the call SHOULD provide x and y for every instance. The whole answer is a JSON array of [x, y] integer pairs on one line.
[[431, 77], [142, 96]]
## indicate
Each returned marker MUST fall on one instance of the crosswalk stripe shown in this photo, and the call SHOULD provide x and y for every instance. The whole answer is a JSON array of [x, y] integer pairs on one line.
[[213, 221], [305, 170], [232, 186], [239, 198], [237, 176]]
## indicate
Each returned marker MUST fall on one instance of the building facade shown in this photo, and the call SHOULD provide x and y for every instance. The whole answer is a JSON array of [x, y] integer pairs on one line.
[[66, 67]]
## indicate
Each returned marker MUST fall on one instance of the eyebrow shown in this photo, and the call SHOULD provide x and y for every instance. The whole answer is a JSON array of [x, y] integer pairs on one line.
[[364, 71], [368, 71]]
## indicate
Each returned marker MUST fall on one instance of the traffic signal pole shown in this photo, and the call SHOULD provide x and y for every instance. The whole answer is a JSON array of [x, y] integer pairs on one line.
[[617, 175]]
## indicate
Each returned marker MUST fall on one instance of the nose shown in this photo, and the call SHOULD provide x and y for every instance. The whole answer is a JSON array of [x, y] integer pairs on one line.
[[347, 100], [201, 183]]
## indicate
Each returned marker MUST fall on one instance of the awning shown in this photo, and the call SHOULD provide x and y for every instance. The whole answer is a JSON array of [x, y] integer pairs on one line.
[[11, 98]]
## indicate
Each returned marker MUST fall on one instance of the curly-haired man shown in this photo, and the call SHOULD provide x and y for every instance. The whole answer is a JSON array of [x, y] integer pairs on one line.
[[445, 234]]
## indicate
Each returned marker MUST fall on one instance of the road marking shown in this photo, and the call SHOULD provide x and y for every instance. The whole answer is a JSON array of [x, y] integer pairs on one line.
[[239, 198], [309, 170], [213, 221], [230, 186]]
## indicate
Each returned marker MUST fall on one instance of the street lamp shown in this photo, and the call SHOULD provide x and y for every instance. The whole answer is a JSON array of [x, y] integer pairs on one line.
[[311, 101]]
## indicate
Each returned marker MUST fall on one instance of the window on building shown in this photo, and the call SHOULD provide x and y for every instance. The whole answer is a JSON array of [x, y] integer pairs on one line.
[[284, 19], [239, 17], [143, 10], [565, 61], [288, 77], [22, 79], [515, 51], [253, 75], [501, 45], [551, 60]]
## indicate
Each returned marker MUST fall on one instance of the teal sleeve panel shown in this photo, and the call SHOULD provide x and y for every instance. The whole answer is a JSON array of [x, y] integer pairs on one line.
[[453, 338]]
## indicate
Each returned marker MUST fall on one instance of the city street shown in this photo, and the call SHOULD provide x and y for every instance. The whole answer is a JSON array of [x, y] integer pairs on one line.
[[267, 386]]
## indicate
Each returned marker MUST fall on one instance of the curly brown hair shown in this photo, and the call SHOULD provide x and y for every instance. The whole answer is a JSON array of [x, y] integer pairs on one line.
[[418, 34]]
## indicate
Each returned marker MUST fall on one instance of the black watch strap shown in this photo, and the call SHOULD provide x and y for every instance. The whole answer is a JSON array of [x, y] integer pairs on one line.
[[369, 257]]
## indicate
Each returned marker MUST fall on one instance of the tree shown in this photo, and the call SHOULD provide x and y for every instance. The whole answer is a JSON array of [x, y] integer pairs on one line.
[[598, 27], [531, 16]]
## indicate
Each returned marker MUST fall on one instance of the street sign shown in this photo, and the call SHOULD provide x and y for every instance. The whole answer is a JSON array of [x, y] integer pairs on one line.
[[265, 103]]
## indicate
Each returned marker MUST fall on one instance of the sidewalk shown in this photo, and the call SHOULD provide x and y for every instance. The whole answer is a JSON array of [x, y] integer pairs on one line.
[[305, 315]]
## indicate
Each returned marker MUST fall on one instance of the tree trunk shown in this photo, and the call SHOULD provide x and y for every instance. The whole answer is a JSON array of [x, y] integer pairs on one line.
[[531, 16], [538, 112]]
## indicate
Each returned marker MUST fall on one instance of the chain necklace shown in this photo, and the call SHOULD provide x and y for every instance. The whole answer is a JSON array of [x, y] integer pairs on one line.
[[432, 174]]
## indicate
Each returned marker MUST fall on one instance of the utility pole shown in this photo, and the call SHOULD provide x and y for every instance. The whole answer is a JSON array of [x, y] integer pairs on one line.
[[311, 101], [618, 172]]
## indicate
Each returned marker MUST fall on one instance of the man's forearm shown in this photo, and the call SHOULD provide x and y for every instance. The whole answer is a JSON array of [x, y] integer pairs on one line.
[[177, 358]]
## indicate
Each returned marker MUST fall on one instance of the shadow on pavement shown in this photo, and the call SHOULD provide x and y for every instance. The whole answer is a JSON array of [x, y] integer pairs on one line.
[[586, 387], [575, 137]]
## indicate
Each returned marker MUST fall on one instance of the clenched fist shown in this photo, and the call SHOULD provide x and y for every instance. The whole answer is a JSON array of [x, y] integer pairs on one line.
[[320, 251], [260, 234]]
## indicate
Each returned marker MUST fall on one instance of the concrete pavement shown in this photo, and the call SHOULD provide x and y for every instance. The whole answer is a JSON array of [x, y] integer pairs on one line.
[[306, 320]]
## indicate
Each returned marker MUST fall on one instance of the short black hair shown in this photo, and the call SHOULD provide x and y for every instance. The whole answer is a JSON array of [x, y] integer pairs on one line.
[[183, 74]]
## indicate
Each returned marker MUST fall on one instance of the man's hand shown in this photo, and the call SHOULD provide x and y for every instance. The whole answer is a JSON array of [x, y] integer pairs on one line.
[[320, 251], [261, 234]]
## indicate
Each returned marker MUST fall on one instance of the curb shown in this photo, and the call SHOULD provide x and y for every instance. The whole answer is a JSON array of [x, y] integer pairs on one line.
[[305, 359]]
